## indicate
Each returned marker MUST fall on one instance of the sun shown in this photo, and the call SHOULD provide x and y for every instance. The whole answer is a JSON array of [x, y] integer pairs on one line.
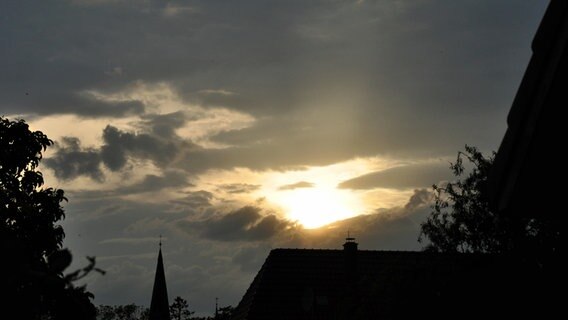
[[319, 205]]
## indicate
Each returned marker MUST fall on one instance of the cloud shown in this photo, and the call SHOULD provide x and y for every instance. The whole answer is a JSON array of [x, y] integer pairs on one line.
[[174, 10], [235, 188], [132, 241], [120, 144], [394, 228], [71, 161], [245, 224], [156, 141], [393, 89], [402, 177], [169, 179], [420, 198], [390, 228], [301, 184], [154, 183], [195, 199]]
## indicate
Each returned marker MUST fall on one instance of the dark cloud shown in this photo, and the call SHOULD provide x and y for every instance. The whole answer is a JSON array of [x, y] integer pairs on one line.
[[157, 142], [398, 79], [245, 224], [84, 105], [71, 161], [403, 177], [151, 182], [239, 188], [120, 144], [297, 185], [195, 199], [217, 98], [164, 125], [420, 198]]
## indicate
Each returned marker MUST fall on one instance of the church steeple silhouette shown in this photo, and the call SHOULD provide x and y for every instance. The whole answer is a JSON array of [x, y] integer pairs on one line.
[[160, 307]]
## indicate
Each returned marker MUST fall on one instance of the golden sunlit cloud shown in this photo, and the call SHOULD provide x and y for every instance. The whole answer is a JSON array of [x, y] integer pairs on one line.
[[311, 196], [161, 98], [88, 130]]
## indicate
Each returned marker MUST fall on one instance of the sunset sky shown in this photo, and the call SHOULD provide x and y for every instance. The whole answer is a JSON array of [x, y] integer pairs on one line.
[[234, 127]]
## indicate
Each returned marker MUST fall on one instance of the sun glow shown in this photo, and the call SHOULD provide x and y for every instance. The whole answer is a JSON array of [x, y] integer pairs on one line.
[[309, 196], [318, 206]]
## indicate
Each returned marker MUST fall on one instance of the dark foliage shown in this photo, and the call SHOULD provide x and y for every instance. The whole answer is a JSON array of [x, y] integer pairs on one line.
[[122, 312], [179, 310], [225, 313], [34, 286], [461, 220]]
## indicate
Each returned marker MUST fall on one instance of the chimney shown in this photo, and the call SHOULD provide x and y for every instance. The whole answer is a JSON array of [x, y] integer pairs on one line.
[[351, 274], [350, 245], [350, 256]]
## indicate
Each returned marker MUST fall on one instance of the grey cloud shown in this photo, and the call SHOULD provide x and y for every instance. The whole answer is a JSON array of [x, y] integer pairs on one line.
[[71, 161], [332, 79], [239, 187], [164, 125], [150, 183], [420, 198], [245, 224], [402, 177], [85, 105], [132, 241], [196, 51], [288, 143], [301, 184], [119, 145], [267, 227], [195, 199], [217, 98]]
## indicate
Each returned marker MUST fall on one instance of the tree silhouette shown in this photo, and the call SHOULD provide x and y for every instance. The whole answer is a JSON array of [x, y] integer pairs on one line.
[[105, 312], [127, 312], [462, 221], [33, 285], [179, 310], [123, 312], [225, 313]]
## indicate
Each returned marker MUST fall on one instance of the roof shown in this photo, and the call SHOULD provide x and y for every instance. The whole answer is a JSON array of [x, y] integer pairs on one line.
[[347, 284]]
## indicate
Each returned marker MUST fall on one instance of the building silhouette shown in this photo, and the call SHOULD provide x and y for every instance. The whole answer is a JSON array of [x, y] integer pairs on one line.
[[160, 307], [523, 185], [363, 284]]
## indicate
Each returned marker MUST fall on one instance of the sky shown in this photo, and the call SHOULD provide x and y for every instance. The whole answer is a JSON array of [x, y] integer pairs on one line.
[[234, 127]]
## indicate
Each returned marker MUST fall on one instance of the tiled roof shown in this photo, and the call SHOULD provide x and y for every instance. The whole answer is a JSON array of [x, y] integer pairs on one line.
[[343, 284]]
